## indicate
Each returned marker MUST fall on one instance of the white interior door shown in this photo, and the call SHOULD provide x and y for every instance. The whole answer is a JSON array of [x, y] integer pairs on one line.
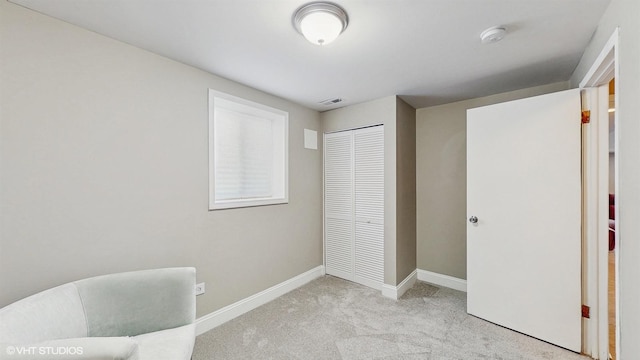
[[524, 188]]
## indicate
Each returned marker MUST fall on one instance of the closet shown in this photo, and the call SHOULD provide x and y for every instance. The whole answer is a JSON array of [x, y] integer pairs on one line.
[[354, 205]]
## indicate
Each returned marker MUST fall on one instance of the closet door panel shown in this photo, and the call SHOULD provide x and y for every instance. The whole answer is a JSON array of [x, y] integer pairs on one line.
[[338, 204], [339, 248], [369, 205], [369, 254]]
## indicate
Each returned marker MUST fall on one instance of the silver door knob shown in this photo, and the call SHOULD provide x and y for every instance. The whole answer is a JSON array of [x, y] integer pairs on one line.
[[473, 220]]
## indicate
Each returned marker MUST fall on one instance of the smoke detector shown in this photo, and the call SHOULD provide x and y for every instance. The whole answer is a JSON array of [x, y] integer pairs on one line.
[[493, 35]]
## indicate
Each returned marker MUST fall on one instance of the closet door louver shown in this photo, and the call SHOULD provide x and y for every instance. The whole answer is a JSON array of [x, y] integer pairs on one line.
[[369, 205], [354, 205], [338, 204]]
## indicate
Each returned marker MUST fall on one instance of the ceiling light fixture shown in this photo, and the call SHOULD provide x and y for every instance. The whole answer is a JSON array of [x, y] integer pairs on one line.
[[320, 22], [493, 35]]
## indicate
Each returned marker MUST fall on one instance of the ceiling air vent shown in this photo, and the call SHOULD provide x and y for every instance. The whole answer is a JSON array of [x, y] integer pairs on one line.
[[330, 101]]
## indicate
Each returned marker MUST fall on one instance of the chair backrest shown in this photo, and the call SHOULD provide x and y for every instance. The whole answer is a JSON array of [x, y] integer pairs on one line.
[[124, 304], [138, 302]]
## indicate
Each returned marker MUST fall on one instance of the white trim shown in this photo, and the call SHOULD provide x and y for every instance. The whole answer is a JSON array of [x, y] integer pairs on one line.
[[595, 271], [603, 67], [602, 214], [442, 280], [407, 283], [595, 221], [353, 128], [389, 291], [230, 312], [396, 292], [376, 285], [590, 205]]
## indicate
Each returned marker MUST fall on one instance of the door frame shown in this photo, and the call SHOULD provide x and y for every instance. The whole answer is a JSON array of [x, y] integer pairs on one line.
[[595, 200]]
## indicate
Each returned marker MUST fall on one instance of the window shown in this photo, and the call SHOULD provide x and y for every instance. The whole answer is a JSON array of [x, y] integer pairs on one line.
[[247, 153]]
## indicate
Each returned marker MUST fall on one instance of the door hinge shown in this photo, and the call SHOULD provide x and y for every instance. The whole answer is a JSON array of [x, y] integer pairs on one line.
[[585, 311], [586, 116]]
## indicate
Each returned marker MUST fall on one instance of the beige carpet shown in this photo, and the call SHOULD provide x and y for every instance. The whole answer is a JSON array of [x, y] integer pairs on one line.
[[331, 318]]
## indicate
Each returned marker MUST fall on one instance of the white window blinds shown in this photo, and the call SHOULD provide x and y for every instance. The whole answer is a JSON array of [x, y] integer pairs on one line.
[[243, 151], [249, 143]]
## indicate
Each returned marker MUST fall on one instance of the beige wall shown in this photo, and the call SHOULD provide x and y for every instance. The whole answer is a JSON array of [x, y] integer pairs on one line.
[[405, 190], [441, 173], [624, 14], [380, 111], [103, 157]]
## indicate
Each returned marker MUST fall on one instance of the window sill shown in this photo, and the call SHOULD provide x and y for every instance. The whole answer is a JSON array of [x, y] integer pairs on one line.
[[222, 205]]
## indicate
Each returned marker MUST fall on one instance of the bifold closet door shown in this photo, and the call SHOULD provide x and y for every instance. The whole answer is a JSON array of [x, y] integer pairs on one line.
[[338, 204], [369, 205], [354, 205]]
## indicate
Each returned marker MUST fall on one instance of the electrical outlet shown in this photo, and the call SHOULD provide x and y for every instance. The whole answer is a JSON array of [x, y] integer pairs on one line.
[[199, 289]]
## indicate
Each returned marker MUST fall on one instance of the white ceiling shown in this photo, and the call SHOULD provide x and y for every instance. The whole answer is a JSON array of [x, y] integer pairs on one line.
[[426, 51]]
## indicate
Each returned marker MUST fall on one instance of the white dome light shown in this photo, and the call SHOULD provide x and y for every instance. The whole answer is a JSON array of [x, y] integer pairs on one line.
[[320, 22]]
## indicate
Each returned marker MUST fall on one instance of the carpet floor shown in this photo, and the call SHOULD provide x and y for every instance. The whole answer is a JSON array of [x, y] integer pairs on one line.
[[331, 318]]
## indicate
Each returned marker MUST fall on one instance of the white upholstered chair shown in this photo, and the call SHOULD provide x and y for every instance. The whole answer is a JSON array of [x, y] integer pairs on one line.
[[136, 315]]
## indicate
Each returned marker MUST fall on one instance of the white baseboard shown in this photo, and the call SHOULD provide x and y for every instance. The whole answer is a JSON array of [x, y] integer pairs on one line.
[[442, 280], [219, 317], [395, 292]]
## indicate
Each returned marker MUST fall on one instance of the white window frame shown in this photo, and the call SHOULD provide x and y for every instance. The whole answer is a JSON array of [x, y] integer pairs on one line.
[[281, 196]]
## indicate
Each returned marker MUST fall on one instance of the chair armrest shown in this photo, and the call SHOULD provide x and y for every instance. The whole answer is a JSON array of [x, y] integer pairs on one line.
[[86, 348]]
